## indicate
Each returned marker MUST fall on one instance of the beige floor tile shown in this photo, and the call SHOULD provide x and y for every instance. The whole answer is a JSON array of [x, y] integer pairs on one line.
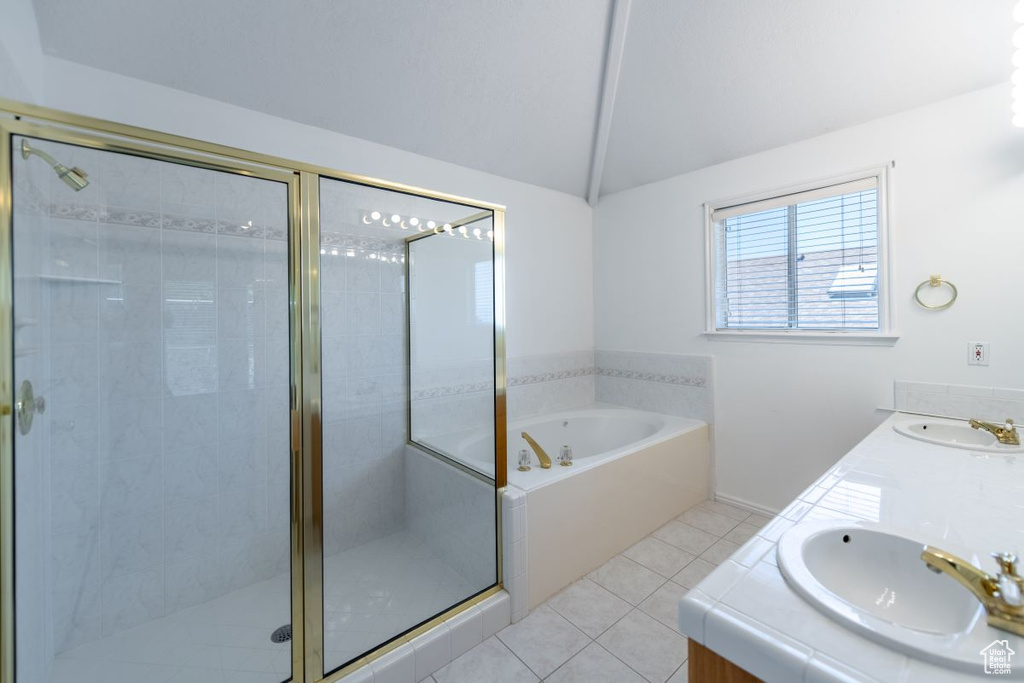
[[685, 537], [711, 522], [659, 556], [544, 640], [682, 675], [589, 607], [646, 646], [489, 661], [741, 534], [757, 520], [663, 604], [627, 579], [723, 509], [693, 573], [720, 552], [595, 665]]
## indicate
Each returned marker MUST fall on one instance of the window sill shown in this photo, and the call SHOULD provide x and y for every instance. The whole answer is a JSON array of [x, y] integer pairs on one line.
[[836, 338]]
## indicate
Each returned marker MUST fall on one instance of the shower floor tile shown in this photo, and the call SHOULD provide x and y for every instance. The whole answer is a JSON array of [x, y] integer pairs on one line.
[[371, 593]]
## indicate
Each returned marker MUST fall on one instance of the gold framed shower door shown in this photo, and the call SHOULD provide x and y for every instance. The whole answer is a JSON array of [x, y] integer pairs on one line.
[[306, 523]]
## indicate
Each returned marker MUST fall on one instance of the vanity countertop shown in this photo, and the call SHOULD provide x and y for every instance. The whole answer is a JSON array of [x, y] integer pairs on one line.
[[746, 612]]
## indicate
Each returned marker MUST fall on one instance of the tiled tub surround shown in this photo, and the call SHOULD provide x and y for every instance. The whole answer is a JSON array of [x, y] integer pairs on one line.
[[164, 288], [992, 404], [672, 384], [746, 612]]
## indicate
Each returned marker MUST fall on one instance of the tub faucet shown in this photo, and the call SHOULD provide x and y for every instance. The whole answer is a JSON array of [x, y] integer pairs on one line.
[[1000, 595], [545, 461], [1005, 433]]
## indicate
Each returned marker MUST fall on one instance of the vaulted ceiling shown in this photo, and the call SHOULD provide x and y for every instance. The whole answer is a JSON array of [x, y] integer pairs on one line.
[[518, 88]]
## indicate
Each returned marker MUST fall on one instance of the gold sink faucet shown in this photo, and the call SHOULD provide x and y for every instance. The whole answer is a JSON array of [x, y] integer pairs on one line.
[[545, 461], [1000, 595], [1005, 433]]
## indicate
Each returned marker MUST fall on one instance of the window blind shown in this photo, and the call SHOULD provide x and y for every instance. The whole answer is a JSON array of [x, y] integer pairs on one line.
[[803, 261]]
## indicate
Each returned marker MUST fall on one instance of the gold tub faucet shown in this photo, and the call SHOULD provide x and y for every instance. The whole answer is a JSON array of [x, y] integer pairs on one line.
[[545, 461], [1000, 595], [1005, 433]]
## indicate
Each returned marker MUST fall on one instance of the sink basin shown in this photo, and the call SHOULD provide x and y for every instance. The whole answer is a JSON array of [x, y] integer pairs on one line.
[[953, 433], [873, 581]]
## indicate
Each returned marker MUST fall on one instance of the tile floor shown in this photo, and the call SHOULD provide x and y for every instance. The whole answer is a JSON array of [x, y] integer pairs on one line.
[[617, 624], [371, 593]]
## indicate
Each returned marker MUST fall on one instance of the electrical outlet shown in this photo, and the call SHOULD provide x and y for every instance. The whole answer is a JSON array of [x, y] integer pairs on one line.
[[977, 353]]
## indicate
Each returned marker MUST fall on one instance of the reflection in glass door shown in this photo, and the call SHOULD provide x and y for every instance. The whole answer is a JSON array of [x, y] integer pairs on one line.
[[152, 458]]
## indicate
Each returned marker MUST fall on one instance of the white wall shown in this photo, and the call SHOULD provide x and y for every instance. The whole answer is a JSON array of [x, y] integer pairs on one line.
[[21, 53], [785, 412], [548, 233]]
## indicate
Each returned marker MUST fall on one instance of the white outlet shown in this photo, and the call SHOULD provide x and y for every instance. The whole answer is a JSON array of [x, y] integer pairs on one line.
[[977, 353]]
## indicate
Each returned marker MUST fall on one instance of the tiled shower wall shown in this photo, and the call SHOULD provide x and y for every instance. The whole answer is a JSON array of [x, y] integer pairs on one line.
[[167, 412], [364, 372]]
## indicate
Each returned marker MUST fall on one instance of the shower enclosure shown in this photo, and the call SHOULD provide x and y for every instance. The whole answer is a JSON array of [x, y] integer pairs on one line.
[[229, 386]]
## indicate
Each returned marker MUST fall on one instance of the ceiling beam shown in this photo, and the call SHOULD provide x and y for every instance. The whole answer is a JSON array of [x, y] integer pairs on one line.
[[609, 85]]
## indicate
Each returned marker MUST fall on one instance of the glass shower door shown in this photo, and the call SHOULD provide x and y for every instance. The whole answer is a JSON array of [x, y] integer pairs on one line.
[[407, 533], [151, 448]]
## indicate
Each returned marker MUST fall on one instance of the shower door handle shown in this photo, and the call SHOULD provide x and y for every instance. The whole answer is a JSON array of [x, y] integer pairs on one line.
[[26, 407]]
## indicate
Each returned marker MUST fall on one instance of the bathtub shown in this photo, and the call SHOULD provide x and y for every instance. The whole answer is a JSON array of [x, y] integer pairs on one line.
[[597, 434], [633, 471]]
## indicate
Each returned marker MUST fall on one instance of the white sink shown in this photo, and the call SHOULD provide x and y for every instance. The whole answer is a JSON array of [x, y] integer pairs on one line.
[[874, 582], [953, 433]]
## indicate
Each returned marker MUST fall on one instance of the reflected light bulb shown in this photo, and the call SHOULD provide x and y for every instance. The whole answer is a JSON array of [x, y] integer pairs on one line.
[[375, 215], [490, 235], [414, 221], [462, 229], [334, 252], [431, 224], [366, 219], [476, 233], [323, 251], [447, 227], [395, 218]]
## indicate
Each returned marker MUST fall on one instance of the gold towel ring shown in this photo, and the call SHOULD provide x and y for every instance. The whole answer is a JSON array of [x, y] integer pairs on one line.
[[935, 281]]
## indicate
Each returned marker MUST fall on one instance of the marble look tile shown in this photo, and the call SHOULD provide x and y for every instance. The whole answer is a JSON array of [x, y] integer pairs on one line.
[[724, 509], [646, 646], [693, 573], [685, 537], [720, 551], [544, 640], [594, 664], [712, 522], [490, 661], [659, 556], [663, 604], [627, 579], [591, 608], [742, 533]]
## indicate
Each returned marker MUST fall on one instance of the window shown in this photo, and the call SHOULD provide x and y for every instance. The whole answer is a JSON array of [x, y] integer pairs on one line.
[[804, 261], [483, 290]]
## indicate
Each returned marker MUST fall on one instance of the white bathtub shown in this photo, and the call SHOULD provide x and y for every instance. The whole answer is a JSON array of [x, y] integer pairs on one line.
[[597, 434], [632, 472]]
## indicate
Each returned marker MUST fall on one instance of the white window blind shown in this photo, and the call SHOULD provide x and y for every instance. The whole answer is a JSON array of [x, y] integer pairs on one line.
[[800, 261]]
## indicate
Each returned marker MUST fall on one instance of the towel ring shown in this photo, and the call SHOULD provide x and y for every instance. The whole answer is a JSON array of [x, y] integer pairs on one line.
[[935, 281]]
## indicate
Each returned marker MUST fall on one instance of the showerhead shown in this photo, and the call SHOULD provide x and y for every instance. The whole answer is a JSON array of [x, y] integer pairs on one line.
[[75, 178]]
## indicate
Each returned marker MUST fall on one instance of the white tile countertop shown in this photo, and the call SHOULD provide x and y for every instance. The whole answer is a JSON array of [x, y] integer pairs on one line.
[[746, 612]]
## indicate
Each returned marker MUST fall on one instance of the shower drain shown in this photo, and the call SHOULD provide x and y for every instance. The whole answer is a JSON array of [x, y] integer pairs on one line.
[[282, 634]]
